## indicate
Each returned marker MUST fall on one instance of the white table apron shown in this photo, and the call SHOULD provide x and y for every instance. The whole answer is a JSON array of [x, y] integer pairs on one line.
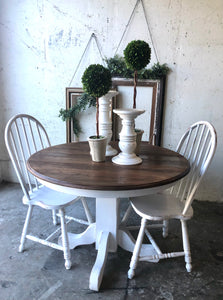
[[106, 232]]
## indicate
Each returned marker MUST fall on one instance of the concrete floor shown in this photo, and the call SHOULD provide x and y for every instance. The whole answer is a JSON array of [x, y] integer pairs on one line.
[[39, 273]]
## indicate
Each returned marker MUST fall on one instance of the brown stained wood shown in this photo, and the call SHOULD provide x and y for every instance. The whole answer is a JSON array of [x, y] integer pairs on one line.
[[152, 118], [71, 165]]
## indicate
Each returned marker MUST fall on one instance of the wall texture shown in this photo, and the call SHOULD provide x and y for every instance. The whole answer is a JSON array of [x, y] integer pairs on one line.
[[42, 42]]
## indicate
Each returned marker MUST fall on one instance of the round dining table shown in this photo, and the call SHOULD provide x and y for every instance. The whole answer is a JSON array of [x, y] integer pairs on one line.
[[69, 168]]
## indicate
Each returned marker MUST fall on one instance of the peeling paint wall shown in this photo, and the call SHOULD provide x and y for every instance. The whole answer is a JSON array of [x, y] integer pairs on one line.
[[41, 43]]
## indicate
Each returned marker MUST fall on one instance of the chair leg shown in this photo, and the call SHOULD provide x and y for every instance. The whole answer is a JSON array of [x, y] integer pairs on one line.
[[186, 246], [65, 241], [87, 211], [165, 228], [126, 215], [54, 216], [137, 249], [25, 228]]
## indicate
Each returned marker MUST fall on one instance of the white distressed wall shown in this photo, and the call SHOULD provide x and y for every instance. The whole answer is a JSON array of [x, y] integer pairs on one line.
[[41, 43]]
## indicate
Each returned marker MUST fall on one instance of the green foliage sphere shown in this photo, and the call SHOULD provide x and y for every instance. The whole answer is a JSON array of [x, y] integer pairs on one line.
[[137, 55], [96, 80]]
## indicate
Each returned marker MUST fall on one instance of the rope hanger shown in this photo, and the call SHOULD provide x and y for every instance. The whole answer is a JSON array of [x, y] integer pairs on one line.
[[93, 36], [147, 23]]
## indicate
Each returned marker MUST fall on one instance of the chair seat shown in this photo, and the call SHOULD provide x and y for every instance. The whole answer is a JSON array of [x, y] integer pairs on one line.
[[160, 207], [49, 199]]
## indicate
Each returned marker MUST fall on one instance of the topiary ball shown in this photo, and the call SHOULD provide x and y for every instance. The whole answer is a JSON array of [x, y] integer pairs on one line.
[[96, 80], [137, 54]]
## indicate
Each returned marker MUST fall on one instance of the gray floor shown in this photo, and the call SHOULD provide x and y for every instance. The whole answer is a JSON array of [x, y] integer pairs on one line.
[[39, 273]]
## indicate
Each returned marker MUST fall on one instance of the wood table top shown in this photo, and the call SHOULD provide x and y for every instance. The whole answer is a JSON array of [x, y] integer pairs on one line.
[[70, 165]]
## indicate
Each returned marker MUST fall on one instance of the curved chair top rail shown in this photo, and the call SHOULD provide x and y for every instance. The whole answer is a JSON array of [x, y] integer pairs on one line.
[[25, 135], [198, 145]]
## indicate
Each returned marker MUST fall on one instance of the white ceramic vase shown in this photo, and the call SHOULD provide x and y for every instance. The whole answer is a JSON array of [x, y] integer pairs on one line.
[[127, 143], [105, 120], [97, 148]]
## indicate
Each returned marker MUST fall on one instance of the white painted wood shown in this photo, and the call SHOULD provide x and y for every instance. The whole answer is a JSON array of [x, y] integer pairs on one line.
[[165, 228], [107, 221], [106, 194], [137, 249], [24, 135], [105, 120], [65, 241], [127, 143], [198, 145], [98, 268], [85, 238], [87, 211], [25, 227], [118, 235], [127, 242], [186, 245]]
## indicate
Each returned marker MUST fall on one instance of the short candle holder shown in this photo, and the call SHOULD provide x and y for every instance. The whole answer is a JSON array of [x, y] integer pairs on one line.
[[127, 143]]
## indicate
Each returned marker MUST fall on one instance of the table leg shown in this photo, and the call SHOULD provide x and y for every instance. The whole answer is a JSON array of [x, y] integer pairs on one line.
[[85, 238], [107, 221], [98, 268]]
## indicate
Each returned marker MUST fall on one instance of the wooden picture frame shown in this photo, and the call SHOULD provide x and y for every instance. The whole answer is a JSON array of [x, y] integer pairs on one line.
[[71, 98], [156, 102]]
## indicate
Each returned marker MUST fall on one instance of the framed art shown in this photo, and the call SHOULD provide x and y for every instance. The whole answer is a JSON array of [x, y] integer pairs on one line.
[[150, 97], [87, 118]]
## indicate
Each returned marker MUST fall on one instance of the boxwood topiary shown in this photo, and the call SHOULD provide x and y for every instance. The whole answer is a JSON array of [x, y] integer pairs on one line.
[[96, 82], [137, 55]]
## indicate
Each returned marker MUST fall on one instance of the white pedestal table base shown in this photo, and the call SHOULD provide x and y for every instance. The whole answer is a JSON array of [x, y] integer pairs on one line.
[[107, 235]]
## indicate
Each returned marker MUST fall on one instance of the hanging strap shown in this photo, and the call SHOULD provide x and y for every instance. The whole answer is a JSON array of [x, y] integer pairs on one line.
[[147, 23], [93, 36]]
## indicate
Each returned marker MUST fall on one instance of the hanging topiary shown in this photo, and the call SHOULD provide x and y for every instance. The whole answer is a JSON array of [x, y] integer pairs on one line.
[[137, 55], [96, 82]]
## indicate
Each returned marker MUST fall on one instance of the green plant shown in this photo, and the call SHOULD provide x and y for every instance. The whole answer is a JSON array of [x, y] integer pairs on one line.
[[156, 72], [83, 102], [137, 55], [96, 82], [118, 68]]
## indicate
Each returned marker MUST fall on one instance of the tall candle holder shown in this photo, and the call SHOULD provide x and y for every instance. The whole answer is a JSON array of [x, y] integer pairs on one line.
[[105, 120]]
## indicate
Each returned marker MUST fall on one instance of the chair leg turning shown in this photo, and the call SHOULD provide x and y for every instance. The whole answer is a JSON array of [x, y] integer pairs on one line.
[[54, 216], [25, 228], [137, 249], [165, 228], [186, 246], [65, 241]]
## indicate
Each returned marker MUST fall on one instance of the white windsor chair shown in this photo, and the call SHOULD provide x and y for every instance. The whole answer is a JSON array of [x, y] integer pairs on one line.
[[198, 145], [25, 135]]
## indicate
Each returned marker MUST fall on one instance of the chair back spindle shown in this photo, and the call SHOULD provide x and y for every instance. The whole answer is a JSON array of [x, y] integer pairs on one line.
[[24, 135], [198, 145]]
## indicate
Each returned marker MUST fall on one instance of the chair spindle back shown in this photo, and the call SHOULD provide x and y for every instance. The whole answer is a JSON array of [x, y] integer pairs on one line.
[[24, 135], [198, 145]]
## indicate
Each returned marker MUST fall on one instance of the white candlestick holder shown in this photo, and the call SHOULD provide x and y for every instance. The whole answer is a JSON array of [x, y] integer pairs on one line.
[[105, 120], [127, 143]]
